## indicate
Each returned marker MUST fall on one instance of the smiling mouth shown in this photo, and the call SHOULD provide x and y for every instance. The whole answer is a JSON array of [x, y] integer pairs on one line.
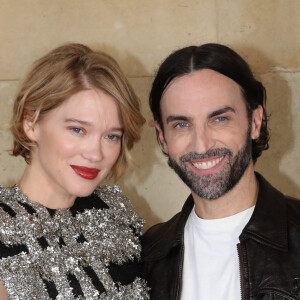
[[207, 164], [85, 172]]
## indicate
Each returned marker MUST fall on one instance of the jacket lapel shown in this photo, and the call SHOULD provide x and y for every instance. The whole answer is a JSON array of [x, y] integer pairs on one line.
[[268, 224]]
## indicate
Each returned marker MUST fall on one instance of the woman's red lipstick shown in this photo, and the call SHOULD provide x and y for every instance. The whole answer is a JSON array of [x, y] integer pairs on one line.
[[85, 172]]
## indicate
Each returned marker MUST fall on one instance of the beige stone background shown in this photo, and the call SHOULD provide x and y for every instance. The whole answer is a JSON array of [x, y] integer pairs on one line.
[[139, 34]]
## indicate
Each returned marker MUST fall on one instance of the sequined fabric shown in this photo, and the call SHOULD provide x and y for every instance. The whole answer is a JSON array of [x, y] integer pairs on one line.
[[76, 253]]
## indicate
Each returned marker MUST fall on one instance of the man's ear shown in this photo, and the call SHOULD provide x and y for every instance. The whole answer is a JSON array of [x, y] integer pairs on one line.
[[161, 137], [256, 122], [29, 126]]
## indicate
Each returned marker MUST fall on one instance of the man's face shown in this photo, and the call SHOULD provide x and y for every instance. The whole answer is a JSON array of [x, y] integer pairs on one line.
[[206, 131]]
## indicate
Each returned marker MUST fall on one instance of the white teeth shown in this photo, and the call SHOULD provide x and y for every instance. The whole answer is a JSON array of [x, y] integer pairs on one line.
[[207, 165]]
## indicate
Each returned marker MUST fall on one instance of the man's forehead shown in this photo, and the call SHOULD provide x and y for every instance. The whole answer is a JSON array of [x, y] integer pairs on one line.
[[199, 78], [204, 90]]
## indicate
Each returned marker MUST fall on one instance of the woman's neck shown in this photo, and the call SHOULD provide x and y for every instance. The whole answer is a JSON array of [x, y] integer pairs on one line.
[[37, 189]]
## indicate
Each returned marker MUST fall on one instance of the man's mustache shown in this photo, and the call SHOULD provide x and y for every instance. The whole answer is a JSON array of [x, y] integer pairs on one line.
[[210, 153]]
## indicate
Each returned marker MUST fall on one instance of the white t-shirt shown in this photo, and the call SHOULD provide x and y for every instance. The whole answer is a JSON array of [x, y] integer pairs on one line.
[[211, 264]]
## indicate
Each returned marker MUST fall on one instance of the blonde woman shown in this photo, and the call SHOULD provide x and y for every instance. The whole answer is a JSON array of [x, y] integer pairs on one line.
[[61, 235]]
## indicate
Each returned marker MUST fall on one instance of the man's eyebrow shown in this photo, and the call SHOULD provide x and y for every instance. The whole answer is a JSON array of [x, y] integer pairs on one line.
[[212, 114], [177, 118], [221, 111]]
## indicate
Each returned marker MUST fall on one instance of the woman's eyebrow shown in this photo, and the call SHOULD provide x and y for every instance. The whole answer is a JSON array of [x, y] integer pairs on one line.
[[78, 121], [89, 124]]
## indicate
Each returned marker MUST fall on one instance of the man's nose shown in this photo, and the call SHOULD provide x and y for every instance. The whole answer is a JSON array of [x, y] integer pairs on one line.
[[203, 140]]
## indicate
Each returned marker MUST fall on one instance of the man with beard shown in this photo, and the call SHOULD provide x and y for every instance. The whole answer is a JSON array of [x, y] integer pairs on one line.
[[236, 237]]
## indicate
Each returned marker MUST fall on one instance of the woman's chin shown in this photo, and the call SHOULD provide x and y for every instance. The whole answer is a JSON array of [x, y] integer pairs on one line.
[[84, 191]]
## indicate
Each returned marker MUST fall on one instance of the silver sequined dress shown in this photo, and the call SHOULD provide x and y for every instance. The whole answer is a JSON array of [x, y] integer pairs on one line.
[[89, 251]]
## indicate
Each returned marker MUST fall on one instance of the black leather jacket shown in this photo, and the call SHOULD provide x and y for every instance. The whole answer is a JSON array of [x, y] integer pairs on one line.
[[269, 250]]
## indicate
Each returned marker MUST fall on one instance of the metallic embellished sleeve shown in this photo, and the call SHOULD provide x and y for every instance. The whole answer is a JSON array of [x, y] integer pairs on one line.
[[90, 251]]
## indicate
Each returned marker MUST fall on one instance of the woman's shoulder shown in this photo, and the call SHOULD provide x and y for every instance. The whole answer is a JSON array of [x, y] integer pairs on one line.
[[113, 196], [10, 225], [119, 203], [112, 204], [6, 193], [8, 196]]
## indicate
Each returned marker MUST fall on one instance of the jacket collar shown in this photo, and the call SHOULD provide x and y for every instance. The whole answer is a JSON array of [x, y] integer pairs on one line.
[[268, 224], [158, 241]]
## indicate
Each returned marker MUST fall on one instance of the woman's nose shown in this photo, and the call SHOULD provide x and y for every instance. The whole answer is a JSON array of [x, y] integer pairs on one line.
[[93, 151]]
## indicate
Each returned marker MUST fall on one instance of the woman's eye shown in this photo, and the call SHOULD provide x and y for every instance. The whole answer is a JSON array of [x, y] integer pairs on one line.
[[77, 130], [113, 137], [181, 125]]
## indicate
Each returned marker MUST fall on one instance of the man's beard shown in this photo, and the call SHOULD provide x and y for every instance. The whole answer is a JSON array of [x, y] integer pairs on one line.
[[213, 186]]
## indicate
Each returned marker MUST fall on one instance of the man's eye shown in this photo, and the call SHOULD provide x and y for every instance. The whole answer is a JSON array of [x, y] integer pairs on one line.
[[181, 125], [77, 130], [221, 119]]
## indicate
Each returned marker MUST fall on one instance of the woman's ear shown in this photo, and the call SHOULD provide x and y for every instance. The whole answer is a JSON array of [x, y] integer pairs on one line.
[[29, 126]]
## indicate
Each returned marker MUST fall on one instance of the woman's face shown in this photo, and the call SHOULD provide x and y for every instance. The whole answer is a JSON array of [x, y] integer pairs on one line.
[[77, 143]]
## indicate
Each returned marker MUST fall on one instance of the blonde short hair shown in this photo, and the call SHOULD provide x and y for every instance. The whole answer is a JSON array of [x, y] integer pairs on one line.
[[64, 72]]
